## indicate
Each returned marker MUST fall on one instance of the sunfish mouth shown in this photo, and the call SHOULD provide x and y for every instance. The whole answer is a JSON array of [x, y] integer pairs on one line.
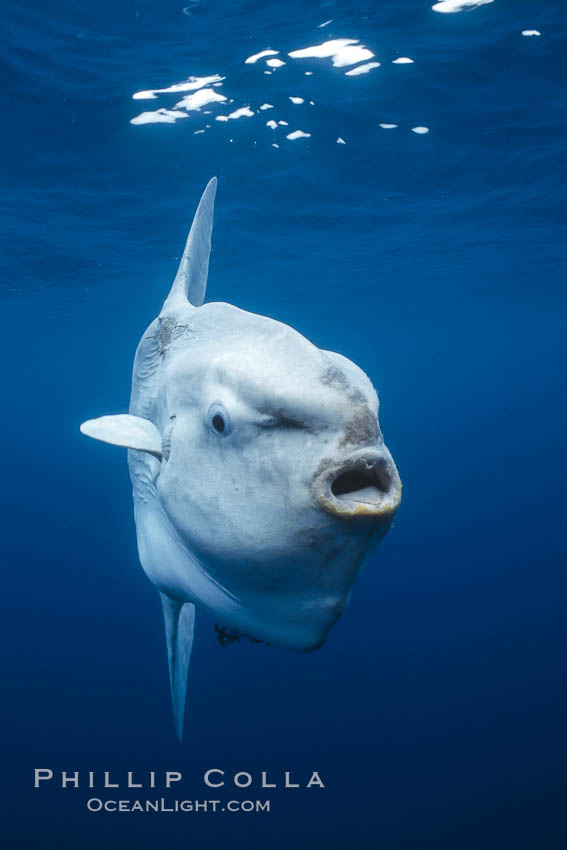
[[364, 484]]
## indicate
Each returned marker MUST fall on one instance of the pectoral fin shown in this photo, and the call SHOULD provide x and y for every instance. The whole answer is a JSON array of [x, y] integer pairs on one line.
[[132, 432], [179, 624]]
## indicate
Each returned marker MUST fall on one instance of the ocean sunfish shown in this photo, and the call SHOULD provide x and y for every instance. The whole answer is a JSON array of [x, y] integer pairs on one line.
[[260, 476]]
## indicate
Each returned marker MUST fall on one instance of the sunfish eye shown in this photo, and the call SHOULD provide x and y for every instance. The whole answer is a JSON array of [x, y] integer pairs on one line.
[[219, 419]]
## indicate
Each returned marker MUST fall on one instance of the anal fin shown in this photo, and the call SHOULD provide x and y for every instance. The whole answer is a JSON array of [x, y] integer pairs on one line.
[[179, 624]]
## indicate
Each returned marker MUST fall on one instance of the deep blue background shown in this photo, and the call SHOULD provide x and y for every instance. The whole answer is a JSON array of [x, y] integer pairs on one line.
[[435, 712]]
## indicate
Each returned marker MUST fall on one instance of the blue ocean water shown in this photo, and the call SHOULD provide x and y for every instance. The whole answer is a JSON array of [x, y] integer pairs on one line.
[[435, 260]]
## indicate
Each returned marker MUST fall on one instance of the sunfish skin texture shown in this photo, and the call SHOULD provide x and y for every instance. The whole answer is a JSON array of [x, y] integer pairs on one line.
[[260, 476]]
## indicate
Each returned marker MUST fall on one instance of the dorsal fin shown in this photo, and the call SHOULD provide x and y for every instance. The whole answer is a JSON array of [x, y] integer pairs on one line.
[[179, 624], [190, 282]]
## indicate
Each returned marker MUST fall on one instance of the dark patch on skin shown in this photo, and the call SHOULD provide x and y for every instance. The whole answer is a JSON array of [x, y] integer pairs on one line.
[[334, 553], [168, 331], [361, 429], [316, 539], [325, 466], [166, 328], [285, 421], [226, 636], [336, 378]]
